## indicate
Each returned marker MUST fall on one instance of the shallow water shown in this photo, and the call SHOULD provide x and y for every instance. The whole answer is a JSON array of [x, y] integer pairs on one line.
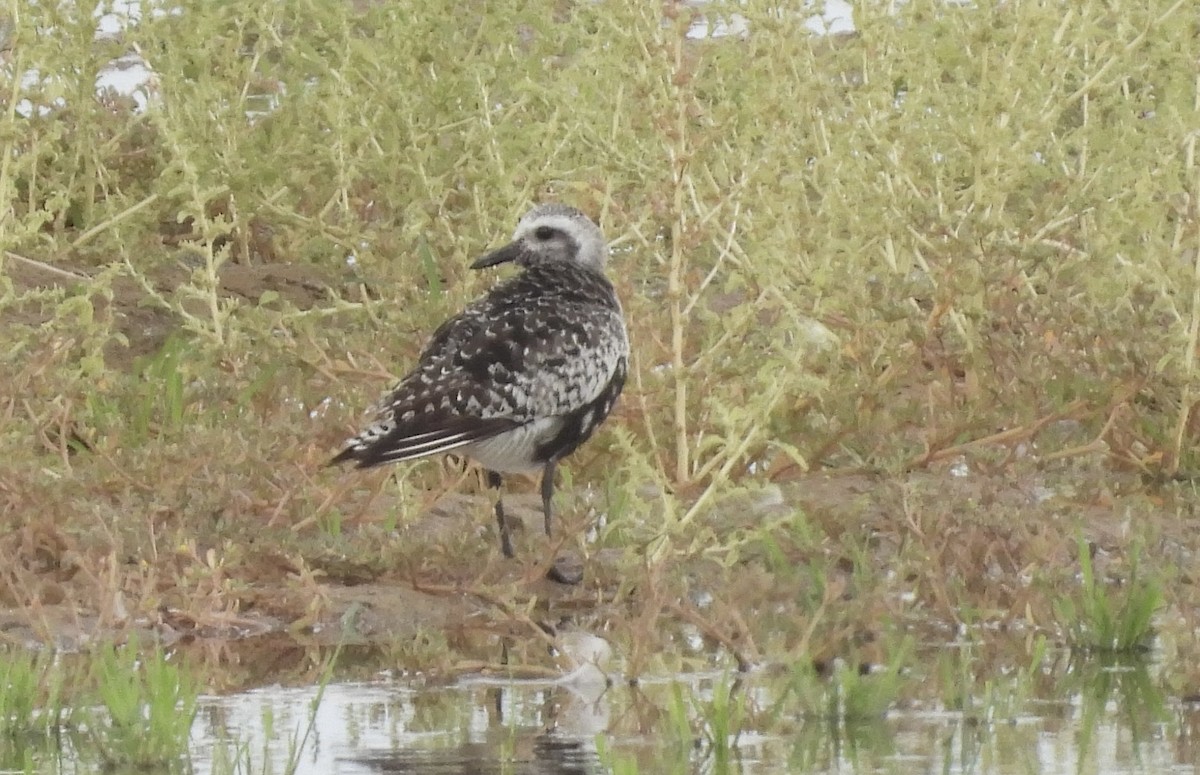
[[950, 710], [522, 726]]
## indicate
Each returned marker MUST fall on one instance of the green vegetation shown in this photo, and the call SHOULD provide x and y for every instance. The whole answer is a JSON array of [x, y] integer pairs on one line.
[[1114, 622], [149, 705], [31, 697], [850, 694], [131, 705], [915, 317]]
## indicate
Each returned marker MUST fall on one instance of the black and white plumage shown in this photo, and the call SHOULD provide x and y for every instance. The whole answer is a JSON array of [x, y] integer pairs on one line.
[[522, 376]]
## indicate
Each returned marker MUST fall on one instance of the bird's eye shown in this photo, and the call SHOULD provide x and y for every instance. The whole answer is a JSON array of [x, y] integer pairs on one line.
[[543, 233]]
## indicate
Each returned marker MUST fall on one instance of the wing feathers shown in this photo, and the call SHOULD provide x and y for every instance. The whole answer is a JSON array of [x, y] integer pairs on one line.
[[407, 441]]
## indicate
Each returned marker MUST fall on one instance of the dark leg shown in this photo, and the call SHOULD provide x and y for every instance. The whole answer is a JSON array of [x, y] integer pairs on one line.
[[494, 481], [547, 492], [564, 571]]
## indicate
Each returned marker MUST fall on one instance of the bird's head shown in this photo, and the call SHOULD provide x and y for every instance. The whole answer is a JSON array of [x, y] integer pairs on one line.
[[552, 233]]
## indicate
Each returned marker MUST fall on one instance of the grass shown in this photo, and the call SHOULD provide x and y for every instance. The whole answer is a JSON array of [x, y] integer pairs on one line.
[[847, 695], [972, 686], [32, 703], [1112, 621], [962, 241], [131, 706], [149, 705]]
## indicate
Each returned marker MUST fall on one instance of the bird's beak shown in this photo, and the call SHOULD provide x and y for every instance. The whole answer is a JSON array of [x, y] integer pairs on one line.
[[509, 252]]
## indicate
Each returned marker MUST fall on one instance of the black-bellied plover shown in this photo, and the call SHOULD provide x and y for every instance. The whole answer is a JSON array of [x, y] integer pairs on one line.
[[522, 376]]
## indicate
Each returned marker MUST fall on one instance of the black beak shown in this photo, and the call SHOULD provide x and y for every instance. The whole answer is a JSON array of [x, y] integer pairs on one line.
[[509, 252]]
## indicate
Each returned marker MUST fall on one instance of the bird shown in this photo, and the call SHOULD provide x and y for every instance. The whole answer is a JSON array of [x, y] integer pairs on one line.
[[523, 375]]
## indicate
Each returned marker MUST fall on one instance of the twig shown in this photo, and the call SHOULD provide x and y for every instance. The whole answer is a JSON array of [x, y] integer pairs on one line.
[[698, 621], [121, 472], [1097, 444], [502, 605], [651, 437], [1012, 434], [113, 221], [45, 267]]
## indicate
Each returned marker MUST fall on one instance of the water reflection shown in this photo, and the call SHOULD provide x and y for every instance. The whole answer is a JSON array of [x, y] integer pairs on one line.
[[546, 754], [362, 728], [1066, 715], [1115, 719]]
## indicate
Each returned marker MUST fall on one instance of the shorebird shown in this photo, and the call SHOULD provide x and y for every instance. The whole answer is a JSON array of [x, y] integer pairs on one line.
[[522, 376]]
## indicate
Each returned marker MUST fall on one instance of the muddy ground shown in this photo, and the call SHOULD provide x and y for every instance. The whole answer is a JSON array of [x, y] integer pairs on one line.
[[850, 561]]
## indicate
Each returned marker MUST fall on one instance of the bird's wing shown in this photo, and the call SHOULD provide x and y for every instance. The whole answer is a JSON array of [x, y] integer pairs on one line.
[[388, 441], [505, 361], [543, 359]]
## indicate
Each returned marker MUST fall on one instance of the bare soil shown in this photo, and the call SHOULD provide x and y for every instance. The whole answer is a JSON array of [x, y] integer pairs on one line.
[[986, 539]]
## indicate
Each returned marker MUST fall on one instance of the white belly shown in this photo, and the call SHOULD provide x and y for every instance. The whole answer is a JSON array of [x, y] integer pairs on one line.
[[514, 452]]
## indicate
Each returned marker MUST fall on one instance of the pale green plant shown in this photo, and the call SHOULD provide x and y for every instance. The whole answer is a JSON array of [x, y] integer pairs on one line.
[[149, 703], [850, 694], [32, 696], [997, 696], [1107, 619], [937, 238]]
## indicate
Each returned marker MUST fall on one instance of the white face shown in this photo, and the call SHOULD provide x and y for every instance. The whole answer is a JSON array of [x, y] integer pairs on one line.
[[532, 222], [558, 236]]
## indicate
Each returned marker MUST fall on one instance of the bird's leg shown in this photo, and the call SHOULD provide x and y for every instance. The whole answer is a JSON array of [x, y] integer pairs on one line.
[[565, 570], [547, 492], [494, 481]]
